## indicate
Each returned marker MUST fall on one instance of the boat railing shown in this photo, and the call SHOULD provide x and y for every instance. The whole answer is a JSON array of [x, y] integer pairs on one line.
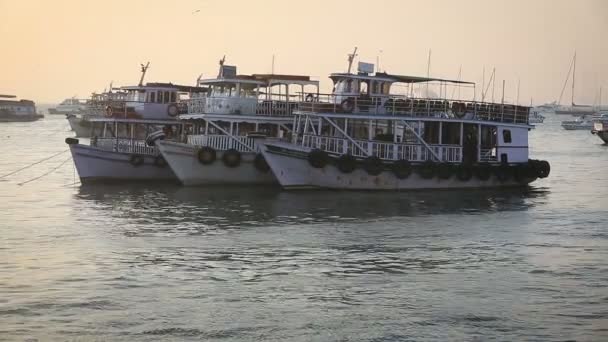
[[222, 142], [260, 107], [487, 155], [124, 145], [384, 150], [414, 107]]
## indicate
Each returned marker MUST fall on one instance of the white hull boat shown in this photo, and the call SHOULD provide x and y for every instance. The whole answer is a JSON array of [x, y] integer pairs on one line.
[[80, 125], [185, 162], [293, 171], [103, 165]]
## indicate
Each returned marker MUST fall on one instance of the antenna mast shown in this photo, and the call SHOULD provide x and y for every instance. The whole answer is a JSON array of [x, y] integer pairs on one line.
[[351, 58], [573, 76], [144, 68], [220, 74]]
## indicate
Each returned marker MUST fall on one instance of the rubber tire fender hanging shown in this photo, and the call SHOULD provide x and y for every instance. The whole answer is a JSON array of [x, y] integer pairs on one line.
[[206, 155], [231, 158]]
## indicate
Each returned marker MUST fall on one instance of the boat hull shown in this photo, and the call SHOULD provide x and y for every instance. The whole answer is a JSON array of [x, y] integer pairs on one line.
[[602, 135], [97, 165], [80, 126], [20, 118], [293, 171], [183, 160]]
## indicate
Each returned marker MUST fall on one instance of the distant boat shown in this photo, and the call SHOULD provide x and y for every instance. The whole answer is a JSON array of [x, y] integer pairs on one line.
[[536, 117], [13, 110], [70, 106], [584, 122], [573, 109]]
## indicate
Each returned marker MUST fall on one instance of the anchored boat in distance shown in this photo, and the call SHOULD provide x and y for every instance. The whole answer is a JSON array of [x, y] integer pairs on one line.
[[364, 137], [13, 110]]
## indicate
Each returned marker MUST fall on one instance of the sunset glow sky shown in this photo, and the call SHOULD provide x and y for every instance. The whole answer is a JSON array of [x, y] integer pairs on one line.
[[52, 50]]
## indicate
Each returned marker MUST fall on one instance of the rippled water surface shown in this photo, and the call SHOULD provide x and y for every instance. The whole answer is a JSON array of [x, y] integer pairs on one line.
[[160, 262]]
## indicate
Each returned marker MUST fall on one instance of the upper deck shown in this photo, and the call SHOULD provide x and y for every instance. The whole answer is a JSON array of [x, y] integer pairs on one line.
[[368, 93]]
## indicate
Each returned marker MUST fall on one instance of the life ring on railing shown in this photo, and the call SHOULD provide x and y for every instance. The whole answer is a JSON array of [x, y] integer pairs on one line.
[[318, 158], [346, 163], [464, 173], [159, 161], [136, 160], [483, 172], [172, 110], [458, 109], [206, 155], [373, 166], [427, 170], [348, 105], [231, 158], [444, 171], [401, 168], [260, 163], [310, 98], [109, 111]]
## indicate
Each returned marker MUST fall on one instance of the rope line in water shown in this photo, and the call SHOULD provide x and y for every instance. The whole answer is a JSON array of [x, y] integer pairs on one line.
[[30, 165], [46, 173]]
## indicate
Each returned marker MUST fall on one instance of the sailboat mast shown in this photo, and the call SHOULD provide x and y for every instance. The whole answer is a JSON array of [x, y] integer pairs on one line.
[[573, 77]]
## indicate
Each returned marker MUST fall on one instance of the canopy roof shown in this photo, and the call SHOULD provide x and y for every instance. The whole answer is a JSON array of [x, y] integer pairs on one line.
[[383, 76], [183, 88]]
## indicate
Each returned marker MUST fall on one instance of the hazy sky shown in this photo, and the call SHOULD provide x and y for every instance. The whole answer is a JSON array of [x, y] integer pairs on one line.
[[56, 49]]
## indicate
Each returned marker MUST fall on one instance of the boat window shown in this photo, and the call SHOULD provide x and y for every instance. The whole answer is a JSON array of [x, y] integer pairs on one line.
[[431, 132], [450, 133], [349, 86], [386, 88], [488, 136], [375, 87], [152, 96], [173, 97], [506, 136], [159, 98], [363, 87], [166, 99]]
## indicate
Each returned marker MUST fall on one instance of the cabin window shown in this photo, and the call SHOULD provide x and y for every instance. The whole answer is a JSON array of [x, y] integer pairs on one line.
[[166, 99], [159, 99], [173, 97], [431, 132], [152, 96], [506, 136], [349, 86], [363, 88], [386, 87], [450, 133], [488, 137], [375, 87]]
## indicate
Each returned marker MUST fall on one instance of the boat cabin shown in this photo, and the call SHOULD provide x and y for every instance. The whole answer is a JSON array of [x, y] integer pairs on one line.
[[257, 94], [9, 105], [154, 101]]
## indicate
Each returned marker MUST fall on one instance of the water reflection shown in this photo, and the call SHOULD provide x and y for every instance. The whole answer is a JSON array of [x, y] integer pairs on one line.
[[226, 207]]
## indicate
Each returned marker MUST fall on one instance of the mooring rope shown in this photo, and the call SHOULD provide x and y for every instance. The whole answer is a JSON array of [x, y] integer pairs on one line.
[[35, 163], [46, 173]]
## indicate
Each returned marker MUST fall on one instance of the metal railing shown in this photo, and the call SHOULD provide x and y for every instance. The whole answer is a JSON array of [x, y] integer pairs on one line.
[[416, 107], [487, 155], [384, 150], [223, 142], [124, 146], [262, 107]]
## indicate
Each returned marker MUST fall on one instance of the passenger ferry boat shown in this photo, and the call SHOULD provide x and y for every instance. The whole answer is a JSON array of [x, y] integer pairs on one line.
[[70, 106], [364, 137], [13, 110], [122, 143], [581, 123], [227, 126]]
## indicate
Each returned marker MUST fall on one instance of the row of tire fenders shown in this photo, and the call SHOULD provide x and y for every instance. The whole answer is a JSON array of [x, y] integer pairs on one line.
[[402, 169]]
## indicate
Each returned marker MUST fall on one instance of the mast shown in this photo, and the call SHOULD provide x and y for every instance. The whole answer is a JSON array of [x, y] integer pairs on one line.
[[428, 73], [573, 77], [144, 68], [351, 58]]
